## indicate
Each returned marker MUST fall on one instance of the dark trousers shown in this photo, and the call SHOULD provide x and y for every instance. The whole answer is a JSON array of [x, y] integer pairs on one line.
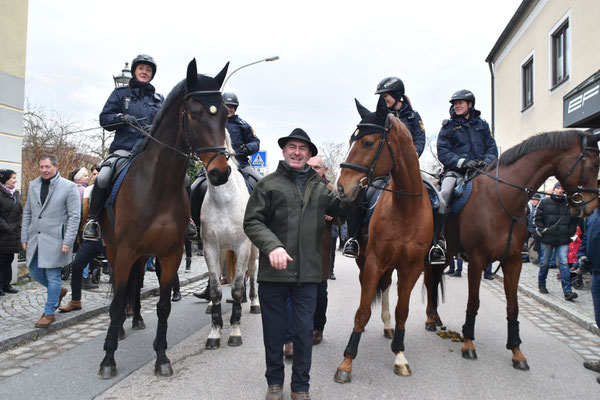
[[6, 260], [272, 298], [188, 248], [88, 250], [321, 309]]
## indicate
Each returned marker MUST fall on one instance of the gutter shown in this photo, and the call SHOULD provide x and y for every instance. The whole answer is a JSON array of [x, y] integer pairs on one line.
[[492, 80]]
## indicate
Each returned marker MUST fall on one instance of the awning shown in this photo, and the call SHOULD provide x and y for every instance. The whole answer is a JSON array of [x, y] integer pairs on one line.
[[581, 106]]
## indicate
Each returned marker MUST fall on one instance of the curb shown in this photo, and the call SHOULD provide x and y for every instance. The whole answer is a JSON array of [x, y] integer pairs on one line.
[[37, 333]]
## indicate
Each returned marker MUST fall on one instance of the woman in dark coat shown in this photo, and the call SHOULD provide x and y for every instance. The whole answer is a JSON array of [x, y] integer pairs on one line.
[[11, 211]]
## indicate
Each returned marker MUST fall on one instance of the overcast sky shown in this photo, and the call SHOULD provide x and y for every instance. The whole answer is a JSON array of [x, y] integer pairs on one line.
[[330, 52]]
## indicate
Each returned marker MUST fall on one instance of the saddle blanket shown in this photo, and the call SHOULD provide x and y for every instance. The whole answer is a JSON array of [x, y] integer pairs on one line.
[[461, 196], [117, 185]]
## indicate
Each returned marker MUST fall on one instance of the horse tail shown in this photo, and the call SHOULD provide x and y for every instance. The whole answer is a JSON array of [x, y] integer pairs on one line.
[[384, 283], [134, 283]]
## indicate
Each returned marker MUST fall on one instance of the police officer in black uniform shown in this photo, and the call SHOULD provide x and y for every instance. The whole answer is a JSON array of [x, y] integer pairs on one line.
[[128, 107], [391, 91]]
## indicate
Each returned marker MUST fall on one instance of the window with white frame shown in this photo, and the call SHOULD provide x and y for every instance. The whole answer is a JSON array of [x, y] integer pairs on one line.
[[527, 84], [560, 54]]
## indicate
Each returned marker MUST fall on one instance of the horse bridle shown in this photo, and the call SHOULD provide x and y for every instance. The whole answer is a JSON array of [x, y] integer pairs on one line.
[[369, 178], [577, 197]]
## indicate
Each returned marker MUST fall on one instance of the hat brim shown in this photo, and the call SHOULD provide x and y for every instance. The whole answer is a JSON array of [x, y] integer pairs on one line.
[[283, 141]]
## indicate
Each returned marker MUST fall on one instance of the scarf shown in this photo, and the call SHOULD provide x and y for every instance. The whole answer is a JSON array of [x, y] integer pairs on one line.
[[10, 190]]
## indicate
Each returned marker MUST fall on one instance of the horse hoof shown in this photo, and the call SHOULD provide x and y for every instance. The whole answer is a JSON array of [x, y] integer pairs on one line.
[[163, 369], [209, 309], [402, 370], [121, 333], [388, 333], [138, 325], [521, 365], [107, 371], [438, 322], [342, 376], [234, 341], [469, 354], [254, 309], [213, 344], [430, 326]]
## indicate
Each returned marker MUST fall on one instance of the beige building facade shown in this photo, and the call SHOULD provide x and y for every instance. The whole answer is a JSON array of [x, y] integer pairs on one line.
[[13, 44], [547, 51]]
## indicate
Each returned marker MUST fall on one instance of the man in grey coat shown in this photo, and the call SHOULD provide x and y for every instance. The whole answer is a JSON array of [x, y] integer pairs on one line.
[[50, 222]]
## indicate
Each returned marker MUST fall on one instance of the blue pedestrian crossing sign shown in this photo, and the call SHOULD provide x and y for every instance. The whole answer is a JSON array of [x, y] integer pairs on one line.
[[259, 159]]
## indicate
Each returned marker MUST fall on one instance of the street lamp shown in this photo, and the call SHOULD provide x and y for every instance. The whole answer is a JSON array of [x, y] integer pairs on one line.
[[247, 65], [123, 78]]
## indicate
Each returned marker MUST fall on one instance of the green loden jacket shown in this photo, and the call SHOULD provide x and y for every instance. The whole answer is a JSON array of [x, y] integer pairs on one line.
[[278, 215]]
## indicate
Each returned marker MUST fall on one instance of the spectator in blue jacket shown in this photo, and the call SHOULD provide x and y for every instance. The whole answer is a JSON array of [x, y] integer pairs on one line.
[[128, 107], [243, 139], [589, 255]]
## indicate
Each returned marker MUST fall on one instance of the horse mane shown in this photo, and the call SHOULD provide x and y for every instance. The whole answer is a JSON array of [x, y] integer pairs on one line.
[[232, 160], [548, 140]]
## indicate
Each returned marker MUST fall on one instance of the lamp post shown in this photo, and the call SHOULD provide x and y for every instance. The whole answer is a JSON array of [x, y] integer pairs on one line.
[[123, 78], [275, 58]]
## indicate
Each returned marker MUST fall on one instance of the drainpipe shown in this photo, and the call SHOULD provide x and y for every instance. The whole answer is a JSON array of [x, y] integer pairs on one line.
[[493, 99]]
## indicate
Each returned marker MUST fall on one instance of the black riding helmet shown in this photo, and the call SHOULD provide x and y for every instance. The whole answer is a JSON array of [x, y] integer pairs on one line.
[[392, 85], [230, 99], [463, 94], [143, 59]]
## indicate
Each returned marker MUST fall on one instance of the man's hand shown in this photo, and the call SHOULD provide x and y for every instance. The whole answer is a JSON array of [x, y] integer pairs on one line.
[[65, 248], [279, 258], [24, 245]]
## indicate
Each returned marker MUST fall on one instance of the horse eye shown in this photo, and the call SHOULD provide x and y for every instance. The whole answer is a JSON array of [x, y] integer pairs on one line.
[[368, 144], [194, 115]]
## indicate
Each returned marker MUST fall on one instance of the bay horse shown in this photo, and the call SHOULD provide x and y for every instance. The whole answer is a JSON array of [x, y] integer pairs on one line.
[[492, 225], [400, 230], [226, 245], [151, 210]]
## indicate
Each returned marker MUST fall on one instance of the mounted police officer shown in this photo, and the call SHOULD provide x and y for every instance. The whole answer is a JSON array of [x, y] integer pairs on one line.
[[464, 143], [127, 110], [391, 91]]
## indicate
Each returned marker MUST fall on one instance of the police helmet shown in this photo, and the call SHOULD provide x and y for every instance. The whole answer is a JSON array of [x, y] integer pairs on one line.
[[392, 85], [230, 99], [463, 94], [143, 59]]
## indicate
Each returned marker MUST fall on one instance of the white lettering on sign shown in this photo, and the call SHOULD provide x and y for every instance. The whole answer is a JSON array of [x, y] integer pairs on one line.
[[579, 101]]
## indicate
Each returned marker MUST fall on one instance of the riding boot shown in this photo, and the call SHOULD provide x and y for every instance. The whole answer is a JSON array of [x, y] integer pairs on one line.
[[437, 252], [91, 230], [355, 222]]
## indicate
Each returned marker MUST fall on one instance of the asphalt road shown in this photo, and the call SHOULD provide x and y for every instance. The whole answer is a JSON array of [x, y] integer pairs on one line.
[[438, 369]]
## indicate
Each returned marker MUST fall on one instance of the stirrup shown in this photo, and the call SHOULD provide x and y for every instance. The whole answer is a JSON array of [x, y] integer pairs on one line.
[[91, 231], [348, 251], [441, 256]]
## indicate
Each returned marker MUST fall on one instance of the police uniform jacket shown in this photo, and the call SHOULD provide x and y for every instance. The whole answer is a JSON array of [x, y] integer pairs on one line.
[[141, 101], [462, 139], [554, 222], [590, 242], [279, 214], [241, 133], [413, 122]]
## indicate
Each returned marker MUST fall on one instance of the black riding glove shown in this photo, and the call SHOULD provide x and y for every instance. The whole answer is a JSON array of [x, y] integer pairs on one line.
[[482, 164], [471, 164], [243, 151], [129, 119]]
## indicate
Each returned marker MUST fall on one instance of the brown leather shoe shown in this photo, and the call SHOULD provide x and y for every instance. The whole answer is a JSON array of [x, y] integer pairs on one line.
[[288, 351], [63, 293], [45, 321], [300, 396], [72, 306], [274, 392], [317, 337]]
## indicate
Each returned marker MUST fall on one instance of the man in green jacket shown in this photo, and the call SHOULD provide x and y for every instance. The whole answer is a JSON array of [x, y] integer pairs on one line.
[[285, 218]]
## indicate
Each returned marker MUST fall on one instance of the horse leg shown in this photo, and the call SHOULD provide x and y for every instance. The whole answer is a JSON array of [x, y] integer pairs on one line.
[[137, 321], [433, 279], [512, 272], [407, 280], [108, 366], [211, 255], [168, 268], [468, 329], [386, 317], [254, 303], [370, 280], [237, 291]]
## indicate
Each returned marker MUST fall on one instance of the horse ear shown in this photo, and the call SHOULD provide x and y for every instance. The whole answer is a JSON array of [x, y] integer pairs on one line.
[[192, 74], [381, 112], [362, 110], [221, 75]]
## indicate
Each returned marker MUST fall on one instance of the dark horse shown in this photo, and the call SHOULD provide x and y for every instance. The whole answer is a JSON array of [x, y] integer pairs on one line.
[[400, 229], [492, 225], [151, 211]]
